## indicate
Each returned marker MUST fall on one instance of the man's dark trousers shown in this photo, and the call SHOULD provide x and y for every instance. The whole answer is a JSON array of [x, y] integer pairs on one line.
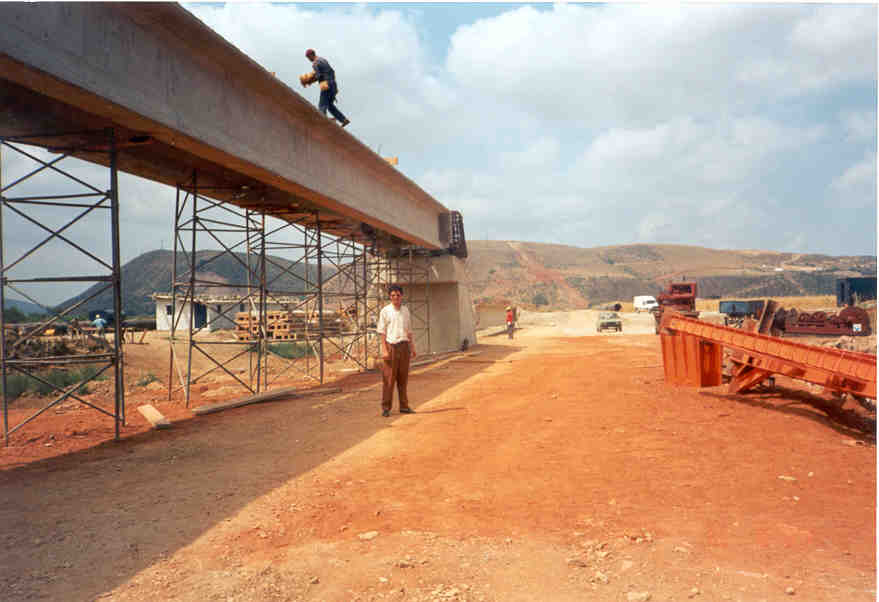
[[327, 102], [396, 370]]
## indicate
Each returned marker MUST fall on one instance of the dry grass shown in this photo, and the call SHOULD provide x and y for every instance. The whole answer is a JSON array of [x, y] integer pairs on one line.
[[802, 303], [826, 302]]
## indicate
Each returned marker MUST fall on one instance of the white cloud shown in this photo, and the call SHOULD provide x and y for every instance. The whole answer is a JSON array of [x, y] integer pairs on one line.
[[640, 63], [592, 124], [684, 155], [541, 153], [832, 33], [856, 186], [860, 126], [387, 86], [794, 243]]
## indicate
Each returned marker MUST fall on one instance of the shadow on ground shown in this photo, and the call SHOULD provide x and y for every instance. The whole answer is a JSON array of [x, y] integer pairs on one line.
[[856, 424], [88, 521]]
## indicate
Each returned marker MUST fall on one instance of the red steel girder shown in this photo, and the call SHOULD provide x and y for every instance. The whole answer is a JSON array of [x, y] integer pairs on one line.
[[835, 369]]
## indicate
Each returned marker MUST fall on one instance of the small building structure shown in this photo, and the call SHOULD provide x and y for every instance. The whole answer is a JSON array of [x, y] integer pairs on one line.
[[850, 291], [211, 312]]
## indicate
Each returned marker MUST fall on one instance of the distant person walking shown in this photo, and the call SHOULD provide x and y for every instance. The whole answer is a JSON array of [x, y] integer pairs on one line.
[[100, 324], [510, 321], [326, 77], [395, 328]]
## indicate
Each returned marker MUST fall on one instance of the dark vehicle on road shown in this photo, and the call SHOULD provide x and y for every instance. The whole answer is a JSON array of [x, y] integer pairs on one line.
[[609, 320]]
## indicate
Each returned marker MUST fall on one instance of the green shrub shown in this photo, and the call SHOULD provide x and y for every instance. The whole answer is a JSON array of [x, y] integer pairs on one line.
[[145, 380], [540, 299], [88, 372], [290, 350], [18, 384]]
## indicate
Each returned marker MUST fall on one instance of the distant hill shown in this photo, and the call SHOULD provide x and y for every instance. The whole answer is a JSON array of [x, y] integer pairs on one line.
[[151, 273], [567, 277], [24, 307]]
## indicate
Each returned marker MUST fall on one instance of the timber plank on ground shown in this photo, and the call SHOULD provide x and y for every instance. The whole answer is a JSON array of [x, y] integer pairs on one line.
[[154, 416], [289, 392]]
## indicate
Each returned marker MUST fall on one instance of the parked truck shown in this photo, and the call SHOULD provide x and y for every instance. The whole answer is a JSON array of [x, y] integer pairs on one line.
[[679, 297], [851, 291]]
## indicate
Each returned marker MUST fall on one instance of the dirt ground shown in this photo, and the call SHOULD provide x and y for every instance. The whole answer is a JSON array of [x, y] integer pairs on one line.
[[556, 466]]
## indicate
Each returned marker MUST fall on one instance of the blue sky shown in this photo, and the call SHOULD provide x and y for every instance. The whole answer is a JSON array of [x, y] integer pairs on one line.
[[724, 125], [732, 126]]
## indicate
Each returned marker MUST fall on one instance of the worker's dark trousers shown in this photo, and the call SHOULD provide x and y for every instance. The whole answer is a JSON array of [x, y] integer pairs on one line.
[[327, 102], [396, 370]]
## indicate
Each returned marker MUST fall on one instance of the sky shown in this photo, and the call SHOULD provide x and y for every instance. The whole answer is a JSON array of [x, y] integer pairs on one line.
[[731, 126]]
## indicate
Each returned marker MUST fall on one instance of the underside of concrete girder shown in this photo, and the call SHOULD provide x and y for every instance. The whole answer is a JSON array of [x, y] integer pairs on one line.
[[181, 99]]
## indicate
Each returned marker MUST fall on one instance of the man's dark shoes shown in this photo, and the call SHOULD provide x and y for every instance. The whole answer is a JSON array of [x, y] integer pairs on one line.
[[407, 411], [346, 122], [386, 413]]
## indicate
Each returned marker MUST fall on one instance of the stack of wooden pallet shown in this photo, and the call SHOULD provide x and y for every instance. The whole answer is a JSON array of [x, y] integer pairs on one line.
[[245, 327], [282, 325]]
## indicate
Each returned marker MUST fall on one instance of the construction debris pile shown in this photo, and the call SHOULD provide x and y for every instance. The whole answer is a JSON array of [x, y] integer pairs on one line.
[[679, 297], [28, 341], [852, 321]]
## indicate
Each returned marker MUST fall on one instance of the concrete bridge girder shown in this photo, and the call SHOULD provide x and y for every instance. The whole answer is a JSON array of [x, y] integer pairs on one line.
[[154, 69], [148, 89]]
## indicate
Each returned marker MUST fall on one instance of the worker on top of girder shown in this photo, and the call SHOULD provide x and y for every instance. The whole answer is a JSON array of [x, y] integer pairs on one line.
[[326, 77]]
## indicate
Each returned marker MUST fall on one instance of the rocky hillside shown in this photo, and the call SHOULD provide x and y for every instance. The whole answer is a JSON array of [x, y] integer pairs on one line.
[[565, 277], [531, 274]]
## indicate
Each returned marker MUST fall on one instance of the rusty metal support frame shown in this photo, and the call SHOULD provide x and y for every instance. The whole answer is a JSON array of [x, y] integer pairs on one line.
[[687, 361], [87, 199]]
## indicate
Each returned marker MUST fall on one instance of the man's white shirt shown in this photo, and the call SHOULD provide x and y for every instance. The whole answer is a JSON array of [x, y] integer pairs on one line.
[[395, 324]]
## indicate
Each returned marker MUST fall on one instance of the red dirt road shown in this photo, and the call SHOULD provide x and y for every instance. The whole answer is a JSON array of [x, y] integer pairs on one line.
[[537, 469]]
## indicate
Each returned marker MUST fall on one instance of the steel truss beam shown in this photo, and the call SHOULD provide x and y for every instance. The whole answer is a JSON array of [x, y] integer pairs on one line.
[[83, 201], [692, 355], [294, 266]]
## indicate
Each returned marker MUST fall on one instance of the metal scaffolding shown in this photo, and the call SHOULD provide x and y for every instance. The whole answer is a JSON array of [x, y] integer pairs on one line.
[[239, 233], [27, 354], [334, 286], [407, 268]]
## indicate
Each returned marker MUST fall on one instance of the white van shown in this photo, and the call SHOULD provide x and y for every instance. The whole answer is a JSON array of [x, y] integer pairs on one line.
[[644, 303]]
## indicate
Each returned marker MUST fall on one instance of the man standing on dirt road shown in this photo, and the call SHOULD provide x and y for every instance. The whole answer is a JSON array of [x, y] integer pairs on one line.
[[326, 78], [510, 324], [395, 328]]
